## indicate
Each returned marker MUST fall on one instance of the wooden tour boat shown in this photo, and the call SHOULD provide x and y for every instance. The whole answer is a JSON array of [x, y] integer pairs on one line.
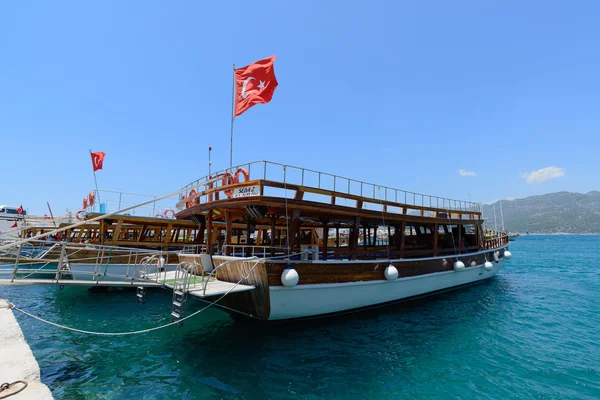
[[376, 244]]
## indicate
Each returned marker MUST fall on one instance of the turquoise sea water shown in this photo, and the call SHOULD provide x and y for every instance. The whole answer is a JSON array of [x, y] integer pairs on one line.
[[532, 332]]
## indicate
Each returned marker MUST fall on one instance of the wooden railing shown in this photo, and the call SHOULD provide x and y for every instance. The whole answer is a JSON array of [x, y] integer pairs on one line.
[[495, 242], [270, 171]]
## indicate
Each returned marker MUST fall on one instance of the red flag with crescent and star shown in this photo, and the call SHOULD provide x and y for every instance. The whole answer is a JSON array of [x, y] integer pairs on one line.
[[97, 159], [254, 84], [20, 210], [14, 225]]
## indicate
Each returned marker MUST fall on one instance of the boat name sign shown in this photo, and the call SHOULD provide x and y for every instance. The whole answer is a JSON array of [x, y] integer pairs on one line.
[[247, 191]]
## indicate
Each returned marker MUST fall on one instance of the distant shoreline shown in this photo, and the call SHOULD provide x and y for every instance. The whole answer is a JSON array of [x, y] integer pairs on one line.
[[558, 234]]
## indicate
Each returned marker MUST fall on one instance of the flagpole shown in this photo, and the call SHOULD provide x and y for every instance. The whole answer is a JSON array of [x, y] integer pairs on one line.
[[232, 118], [95, 181]]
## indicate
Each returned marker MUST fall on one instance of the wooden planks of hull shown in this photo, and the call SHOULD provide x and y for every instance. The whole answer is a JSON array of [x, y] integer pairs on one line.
[[256, 302], [341, 272]]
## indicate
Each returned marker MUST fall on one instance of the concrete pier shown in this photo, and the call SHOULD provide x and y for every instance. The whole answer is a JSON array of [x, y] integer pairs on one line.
[[17, 361]]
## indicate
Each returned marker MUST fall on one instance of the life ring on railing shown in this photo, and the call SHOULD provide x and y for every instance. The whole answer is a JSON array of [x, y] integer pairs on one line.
[[228, 179], [167, 211], [91, 198], [243, 172], [194, 201], [85, 203], [78, 217]]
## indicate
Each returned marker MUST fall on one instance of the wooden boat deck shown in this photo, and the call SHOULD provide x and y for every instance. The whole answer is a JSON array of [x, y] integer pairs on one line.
[[214, 287]]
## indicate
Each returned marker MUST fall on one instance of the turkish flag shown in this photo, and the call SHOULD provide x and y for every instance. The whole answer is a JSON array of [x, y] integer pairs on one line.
[[14, 225], [20, 210], [254, 84], [97, 160]]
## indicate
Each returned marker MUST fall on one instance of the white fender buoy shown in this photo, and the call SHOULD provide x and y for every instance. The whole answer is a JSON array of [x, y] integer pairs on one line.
[[496, 256], [488, 265], [507, 254], [391, 272], [290, 277], [459, 266], [161, 263], [473, 263]]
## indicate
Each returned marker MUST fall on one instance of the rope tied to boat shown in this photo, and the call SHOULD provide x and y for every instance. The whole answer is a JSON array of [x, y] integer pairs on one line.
[[256, 260], [6, 386], [13, 307]]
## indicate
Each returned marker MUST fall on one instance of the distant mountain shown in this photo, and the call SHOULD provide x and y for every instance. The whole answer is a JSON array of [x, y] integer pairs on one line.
[[561, 212]]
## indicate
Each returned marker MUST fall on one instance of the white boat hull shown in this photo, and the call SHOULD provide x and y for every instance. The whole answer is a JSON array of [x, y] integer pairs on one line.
[[310, 300]]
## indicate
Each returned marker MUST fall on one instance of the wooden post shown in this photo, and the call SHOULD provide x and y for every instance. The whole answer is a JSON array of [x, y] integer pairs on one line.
[[435, 239], [200, 238], [459, 227], [228, 231], [402, 235], [209, 232], [102, 230], [294, 229], [354, 236], [249, 231], [273, 232], [325, 237]]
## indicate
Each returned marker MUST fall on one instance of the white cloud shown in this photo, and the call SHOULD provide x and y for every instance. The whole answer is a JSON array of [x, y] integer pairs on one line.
[[464, 172], [542, 175]]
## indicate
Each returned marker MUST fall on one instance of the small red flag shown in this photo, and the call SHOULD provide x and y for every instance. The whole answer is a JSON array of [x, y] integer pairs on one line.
[[254, 84], [97, 160], [14, 225], [20, 210]]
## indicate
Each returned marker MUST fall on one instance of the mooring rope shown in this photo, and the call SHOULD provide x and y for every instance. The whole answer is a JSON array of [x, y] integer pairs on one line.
[[12, 306], [6, 386]]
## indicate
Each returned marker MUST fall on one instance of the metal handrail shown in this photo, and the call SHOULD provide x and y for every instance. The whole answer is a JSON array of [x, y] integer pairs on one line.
[[418, 199]]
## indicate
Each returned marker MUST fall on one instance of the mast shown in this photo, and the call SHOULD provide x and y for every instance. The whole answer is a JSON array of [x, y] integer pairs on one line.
[[502, 216], [495, 221]]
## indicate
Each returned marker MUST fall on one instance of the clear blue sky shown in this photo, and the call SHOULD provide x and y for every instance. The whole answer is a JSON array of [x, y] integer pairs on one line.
[[403, 94]]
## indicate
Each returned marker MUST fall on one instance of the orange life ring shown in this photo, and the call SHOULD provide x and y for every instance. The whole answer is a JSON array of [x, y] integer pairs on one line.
[[91, 198], [243, 172], [85, 203], [78, 217], [192, 202], [167, 211], [228, 179]]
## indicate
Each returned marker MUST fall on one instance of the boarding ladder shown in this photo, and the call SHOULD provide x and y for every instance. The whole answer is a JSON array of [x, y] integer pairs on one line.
[[143, 272], [181, 286], [63, 263]]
